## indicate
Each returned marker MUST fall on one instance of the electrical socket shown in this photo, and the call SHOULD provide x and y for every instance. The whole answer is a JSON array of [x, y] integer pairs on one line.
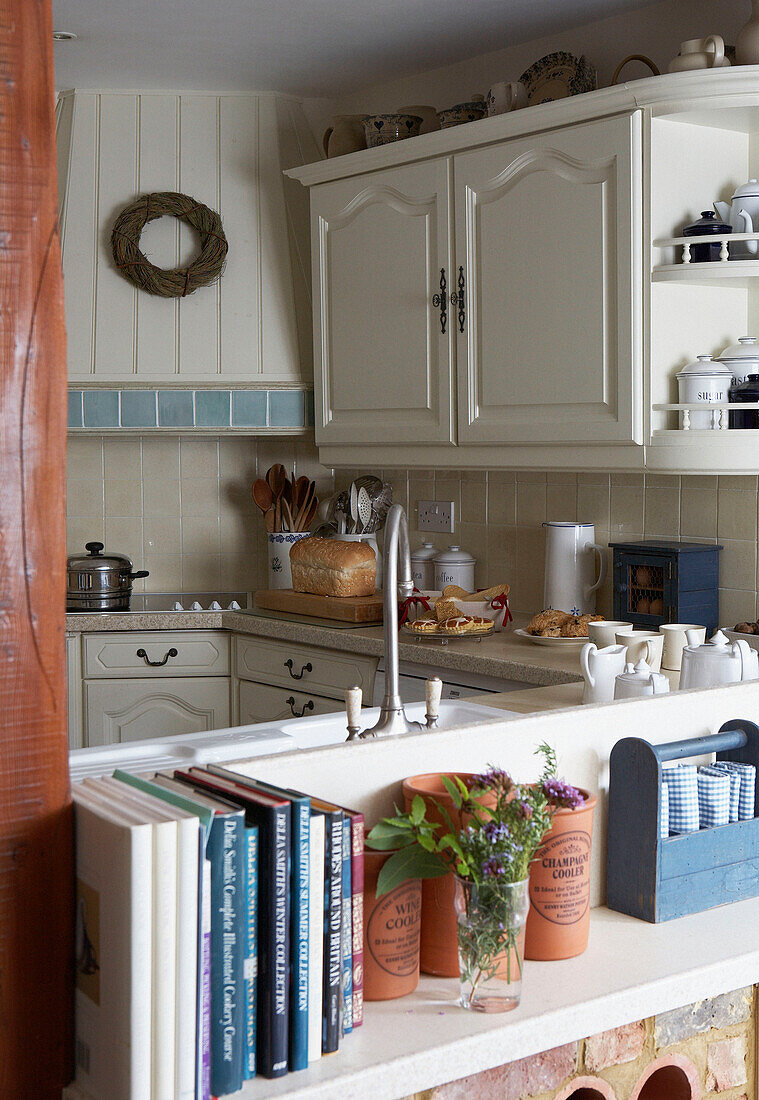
[[435, 515]]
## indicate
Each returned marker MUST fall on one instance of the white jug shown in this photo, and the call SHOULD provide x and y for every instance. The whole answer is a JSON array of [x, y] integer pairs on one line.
[[600, 667], [570, 567]]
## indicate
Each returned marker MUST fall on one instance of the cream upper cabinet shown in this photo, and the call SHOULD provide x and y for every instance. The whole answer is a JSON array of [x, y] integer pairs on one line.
[[383, 364], [548, 238]]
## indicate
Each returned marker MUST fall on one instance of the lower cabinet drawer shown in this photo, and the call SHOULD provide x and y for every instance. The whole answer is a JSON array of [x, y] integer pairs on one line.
[[157, 653], [304, 667], [133, 710], [263, 703]]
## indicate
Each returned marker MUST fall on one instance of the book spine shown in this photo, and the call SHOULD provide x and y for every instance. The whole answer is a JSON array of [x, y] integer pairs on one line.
[[274, 918], [357, 913], [204, 1023], [316, 938], [299, 934], [250, 973], [227, 943], [346, 936], [333, 913]]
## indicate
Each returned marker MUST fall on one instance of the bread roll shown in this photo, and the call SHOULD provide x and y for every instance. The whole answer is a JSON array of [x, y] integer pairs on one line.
[[328, 567]]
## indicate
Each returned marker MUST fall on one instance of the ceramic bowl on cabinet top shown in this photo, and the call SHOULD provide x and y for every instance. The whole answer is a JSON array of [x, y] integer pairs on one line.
[[382, 129], [741, 359], [463, 112], [428, 115]]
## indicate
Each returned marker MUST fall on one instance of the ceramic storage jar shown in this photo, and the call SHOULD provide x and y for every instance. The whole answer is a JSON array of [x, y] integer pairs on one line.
[[454, 566], [423, 567], [707, 382]]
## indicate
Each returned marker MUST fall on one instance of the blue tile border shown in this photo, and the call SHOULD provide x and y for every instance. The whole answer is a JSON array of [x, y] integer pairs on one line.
[[176, 409]]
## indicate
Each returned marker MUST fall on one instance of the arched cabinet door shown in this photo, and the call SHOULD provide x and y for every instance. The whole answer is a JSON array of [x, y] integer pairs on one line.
[[132, 710], [549, 237], [383, 364]]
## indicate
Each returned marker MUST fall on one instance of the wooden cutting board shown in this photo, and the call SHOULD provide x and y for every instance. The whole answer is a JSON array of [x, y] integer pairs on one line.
[[352, 609]]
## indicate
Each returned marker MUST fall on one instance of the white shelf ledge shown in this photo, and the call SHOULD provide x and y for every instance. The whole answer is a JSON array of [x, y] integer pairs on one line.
[[740, 273], [631, 970]]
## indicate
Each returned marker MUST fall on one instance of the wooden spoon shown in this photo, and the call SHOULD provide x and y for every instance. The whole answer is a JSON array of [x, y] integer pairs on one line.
[[262, 494], [305, 507], [287, 516], [276, 477], [300, 488], [269, 521], [309, 517]]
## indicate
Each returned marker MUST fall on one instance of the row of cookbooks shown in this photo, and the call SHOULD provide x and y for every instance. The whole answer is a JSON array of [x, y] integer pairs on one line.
[[219, 932]]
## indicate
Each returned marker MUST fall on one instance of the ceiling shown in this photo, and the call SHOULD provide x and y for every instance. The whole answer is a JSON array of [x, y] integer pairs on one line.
[[304, 47]]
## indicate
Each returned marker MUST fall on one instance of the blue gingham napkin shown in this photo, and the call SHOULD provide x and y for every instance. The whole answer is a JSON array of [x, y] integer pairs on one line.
[[664, 811], [713, 797], [747, 773], [682, 782], [735, 785]]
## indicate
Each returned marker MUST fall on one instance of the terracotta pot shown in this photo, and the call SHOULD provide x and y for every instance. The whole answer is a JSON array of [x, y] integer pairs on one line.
[[391, 934], [439, 945], [559, 917]]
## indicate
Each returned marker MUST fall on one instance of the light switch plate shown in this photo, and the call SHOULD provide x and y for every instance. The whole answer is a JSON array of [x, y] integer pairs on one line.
[[435, 515]]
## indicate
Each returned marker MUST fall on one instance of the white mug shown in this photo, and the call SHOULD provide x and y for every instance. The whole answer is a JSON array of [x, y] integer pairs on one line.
[[600, 668], [675, 641], [506, 96], [642, 645], [605, 633]]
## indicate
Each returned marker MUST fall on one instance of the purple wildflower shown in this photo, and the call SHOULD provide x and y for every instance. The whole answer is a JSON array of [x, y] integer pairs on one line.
[[495, 830], [560, 793], [524, 809], [493, 778]]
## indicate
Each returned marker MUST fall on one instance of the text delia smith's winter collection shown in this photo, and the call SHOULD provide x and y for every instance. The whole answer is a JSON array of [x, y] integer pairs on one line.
[[219, 932]]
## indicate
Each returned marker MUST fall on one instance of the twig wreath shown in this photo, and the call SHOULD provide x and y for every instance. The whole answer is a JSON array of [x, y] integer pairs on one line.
[[177, 282]]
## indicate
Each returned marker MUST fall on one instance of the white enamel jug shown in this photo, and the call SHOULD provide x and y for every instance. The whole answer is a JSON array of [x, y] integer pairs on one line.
[[600, 668], [570, 567]]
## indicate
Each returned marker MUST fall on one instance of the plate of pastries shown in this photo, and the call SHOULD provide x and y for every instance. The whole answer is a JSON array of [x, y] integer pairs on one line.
[[558, 628], [447, 621]]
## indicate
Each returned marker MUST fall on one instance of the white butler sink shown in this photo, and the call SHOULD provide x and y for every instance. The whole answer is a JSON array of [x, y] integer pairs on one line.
[[237, 742]]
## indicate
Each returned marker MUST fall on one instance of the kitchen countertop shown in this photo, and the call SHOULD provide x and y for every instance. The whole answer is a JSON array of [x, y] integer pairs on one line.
[[502, 656]]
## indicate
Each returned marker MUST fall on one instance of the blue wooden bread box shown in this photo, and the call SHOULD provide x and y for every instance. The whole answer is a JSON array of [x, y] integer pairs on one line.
[[656, 879]]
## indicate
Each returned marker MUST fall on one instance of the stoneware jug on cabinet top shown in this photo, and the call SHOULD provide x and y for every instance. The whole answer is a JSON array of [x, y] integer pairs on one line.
[[345, 135], [700, 53], [747, 42], [571, 552]]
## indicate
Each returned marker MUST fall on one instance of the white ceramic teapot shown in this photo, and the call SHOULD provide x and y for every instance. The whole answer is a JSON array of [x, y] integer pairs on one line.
[[638, 680], [742, 213], [600, 668], [716, 661]]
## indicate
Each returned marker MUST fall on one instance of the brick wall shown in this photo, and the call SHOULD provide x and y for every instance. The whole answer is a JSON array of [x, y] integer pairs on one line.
[[704, 1050]]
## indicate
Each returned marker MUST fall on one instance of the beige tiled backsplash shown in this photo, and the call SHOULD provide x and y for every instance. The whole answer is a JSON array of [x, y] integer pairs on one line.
[[182, 508]]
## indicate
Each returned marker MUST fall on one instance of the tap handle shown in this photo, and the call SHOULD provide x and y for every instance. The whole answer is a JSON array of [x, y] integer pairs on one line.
[[434, 691], [353, 697]]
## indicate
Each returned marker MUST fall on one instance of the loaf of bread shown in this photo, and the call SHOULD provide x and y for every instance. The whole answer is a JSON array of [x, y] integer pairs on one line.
[[328, 567]]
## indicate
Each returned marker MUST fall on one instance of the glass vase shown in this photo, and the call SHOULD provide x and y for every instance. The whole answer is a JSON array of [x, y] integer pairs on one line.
[[490, 922]]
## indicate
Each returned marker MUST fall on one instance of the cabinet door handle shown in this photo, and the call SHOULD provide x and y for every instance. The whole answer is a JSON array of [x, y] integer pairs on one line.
[[309, 705], [459, 299], [297, 675], [440, 301], [157, 664]]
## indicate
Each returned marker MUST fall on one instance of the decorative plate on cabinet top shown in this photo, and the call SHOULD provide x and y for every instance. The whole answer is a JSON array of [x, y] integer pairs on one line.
[[558, 75]]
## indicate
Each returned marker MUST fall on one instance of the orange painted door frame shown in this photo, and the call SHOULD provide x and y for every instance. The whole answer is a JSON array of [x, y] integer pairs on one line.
[[36, 849]]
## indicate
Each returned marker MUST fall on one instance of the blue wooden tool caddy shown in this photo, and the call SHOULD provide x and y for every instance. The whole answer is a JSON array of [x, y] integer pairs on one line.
[[656, 879]]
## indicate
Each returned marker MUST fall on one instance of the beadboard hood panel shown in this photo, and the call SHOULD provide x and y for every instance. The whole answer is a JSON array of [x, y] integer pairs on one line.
[[229, 152]]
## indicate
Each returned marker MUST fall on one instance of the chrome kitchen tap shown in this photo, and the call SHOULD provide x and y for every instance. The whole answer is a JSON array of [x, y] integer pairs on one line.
[[392, 719]]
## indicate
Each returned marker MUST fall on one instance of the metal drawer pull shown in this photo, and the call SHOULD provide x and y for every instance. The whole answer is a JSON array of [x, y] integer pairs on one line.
[[306, 706], [157, 664], [298, 675], [440, 301]]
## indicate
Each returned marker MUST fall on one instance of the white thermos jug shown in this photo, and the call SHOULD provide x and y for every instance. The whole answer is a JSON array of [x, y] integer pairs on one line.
[[570, 567]]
